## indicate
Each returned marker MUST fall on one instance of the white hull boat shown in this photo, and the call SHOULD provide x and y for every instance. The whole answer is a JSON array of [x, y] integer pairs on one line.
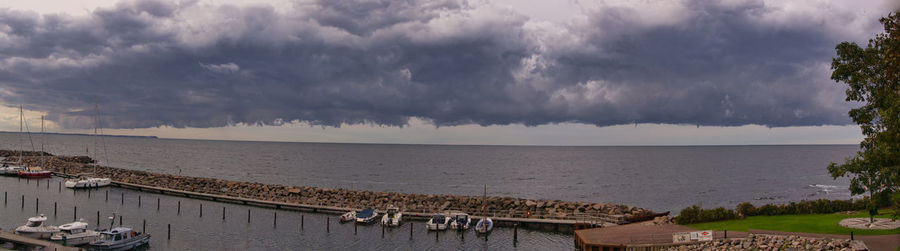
[[366, 216], [75, 234], [35, 228], [88, 183], [120, 238], [484, 226], [392, 217], [438, 222], [348, 217], [11, 170]]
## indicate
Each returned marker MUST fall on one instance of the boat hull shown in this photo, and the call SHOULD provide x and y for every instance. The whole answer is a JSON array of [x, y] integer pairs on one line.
[[35, 175], [137, 242], [74, 241], [88, 184], [36, 234]]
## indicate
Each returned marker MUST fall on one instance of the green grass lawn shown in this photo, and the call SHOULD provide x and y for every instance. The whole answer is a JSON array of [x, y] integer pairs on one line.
[[807, 223]]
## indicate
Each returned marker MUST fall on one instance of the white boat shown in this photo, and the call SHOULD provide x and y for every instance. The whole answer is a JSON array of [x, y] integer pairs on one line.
[[392, 217], [87, 182], [348, 217], [484, 225], [35, 228], [460, 221], [438, 222], [366, 216], [75, 234], [11, 170], [120, 238]]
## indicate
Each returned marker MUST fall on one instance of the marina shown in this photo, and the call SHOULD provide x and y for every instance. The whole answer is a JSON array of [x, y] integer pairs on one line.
[[177, 222]]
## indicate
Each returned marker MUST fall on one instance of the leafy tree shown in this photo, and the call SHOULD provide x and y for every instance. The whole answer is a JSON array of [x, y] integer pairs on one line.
[[873, 77]]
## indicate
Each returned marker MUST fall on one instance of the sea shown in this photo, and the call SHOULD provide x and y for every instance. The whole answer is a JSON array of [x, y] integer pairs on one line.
[[660, 178]]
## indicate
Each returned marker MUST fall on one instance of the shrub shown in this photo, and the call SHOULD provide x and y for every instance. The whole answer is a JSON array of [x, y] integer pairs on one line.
[[695, 214], [746, 209]]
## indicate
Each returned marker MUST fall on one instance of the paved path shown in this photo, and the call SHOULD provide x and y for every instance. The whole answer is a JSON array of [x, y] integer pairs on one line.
[[888, 242]]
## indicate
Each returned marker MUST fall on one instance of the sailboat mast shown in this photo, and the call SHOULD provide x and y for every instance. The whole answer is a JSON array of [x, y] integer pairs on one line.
[[21, 122], [42, 141]]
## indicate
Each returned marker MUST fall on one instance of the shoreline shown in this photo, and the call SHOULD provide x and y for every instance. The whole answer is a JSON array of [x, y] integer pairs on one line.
[[423, 204]]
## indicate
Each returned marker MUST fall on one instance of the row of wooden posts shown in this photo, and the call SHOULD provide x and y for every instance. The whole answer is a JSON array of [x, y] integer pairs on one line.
[[178, 210]]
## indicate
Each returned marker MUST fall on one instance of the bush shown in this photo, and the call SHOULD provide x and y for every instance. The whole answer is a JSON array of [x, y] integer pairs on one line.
[[695, 214]]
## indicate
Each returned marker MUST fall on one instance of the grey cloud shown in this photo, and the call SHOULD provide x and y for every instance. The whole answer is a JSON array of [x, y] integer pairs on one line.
[[449, 62]]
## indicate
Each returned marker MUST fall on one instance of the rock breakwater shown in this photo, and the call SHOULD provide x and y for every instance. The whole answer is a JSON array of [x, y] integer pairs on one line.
[[425, 203], [775, 242]]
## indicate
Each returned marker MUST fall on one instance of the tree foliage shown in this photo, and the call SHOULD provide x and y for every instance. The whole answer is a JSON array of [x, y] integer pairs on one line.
[[872, 75]]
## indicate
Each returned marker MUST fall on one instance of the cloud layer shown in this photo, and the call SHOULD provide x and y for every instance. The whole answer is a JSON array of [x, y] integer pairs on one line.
[[191, 64]]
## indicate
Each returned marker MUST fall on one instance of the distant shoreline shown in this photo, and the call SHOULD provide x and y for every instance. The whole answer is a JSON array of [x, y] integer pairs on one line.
[[84, 134]]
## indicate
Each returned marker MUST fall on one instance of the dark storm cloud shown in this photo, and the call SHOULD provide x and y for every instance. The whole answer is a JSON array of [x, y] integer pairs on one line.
[[152, 63]]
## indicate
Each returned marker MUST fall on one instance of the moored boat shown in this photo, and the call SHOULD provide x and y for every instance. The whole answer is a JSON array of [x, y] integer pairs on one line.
[[392, 217], [366, 216], [87, 182], [348, 217], [11, 169], [35, 228], [484, 226], [461, 221], [75, 234], [120, 238], [438, 222], [35, 172]]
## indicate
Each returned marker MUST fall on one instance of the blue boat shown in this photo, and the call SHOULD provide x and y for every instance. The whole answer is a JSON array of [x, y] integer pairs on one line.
[[120, 238], [366, 216]]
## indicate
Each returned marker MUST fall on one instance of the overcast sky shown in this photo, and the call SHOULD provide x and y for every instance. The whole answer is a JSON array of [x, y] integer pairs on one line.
[[447, 72]]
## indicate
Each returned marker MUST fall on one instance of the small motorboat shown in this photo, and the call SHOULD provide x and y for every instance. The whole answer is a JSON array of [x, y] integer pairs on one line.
[[35, 172], [366, 216], [484, 225], [35, 228], [461, 221], [392, 217], [87, 182], [75, 234], [438, 222], [11, 170], [348, 217], [120, 238]]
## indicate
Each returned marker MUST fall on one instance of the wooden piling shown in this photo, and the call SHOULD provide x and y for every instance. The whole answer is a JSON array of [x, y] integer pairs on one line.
[[120, 220], [54, 209], [437, 236], [301, 222], [98, 218], [201, 210], [410, 230], [89, 193], [107, 195], [851, 235], [223, 213], [516, 233], [144, 230], [59, 187], [157, 203], [139, 200], [275, 219], [179, 207], [5, 197], [382, 231], [168, 231], [248, 215], [328, 224], [48, 184], [354, 228], [74, 213], [23, 201], [123, 198], [36, 204]]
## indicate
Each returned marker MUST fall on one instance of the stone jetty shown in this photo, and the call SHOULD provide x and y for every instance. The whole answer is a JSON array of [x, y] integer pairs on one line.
[[425, 203], [775, 242]]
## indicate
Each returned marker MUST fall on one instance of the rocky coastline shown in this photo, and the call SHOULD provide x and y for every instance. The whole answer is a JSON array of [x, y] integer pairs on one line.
[[424, 203]]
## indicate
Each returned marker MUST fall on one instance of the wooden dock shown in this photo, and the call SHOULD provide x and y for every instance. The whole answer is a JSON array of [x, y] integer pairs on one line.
[[556, 225], [7, 236]]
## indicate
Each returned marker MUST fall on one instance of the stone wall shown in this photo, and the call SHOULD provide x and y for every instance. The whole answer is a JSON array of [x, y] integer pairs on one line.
[[775, 242], [495, 206]]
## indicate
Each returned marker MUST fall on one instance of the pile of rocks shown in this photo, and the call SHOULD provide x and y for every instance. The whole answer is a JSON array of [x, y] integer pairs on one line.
[[426, 203], [775, 242]]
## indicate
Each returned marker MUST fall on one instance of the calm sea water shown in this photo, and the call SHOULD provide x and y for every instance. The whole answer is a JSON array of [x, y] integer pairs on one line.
[[659, 178]]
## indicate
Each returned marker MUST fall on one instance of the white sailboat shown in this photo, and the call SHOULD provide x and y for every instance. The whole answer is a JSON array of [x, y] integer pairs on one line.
[[85, 181], [485, 224], [12, 169]]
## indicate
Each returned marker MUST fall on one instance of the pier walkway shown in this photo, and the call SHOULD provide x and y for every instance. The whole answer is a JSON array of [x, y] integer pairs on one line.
[[7, 236]]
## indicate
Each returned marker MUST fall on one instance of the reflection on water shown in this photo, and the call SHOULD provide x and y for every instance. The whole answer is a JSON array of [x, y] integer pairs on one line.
[[189, 231]]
